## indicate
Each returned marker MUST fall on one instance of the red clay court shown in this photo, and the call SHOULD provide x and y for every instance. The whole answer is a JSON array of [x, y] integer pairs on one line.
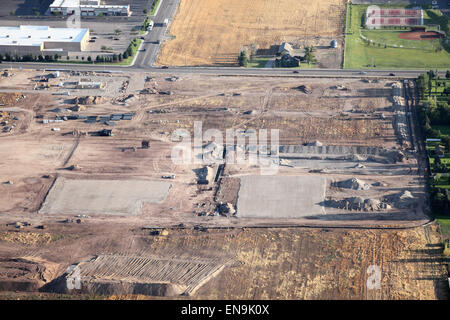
[[419, 35]]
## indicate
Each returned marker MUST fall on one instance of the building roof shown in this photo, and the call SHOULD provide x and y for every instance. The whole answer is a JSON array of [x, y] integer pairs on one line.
[[284, 46], [36, 35], [65, 3], [77, 4]]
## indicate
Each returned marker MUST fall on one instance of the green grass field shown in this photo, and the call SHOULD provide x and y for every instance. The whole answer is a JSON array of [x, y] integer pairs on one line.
[[257, 62], [444, 222], [358, 54]]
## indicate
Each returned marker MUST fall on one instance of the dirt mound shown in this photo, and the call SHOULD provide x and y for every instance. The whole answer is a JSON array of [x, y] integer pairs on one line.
[[225, 209], [304, 88], [89, 100], [402, 200], [353, 183], [25, 273], [358, 204]]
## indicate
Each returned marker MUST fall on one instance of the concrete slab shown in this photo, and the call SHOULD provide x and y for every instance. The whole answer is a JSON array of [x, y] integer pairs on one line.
[[110, 197], [281, 196]]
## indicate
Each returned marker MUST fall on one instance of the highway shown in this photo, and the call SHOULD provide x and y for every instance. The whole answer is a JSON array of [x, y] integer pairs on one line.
[[225, 71]]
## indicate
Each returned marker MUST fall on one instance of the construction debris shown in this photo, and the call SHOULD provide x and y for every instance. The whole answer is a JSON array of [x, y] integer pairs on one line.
[[358, 204], [304, 88], [88, 100], [352, 183], [205, 175], [225, 209]]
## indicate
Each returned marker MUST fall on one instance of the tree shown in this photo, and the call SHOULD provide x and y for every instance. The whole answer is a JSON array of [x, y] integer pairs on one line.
[[243, 59], [89, 58], [446, 142], [447, 74], [309, 54], [145, 11], [68, 58]]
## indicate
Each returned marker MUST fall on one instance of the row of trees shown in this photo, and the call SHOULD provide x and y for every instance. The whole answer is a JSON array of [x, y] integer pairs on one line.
[[426, 80], [29, 58], [440, 199], [434, 112], [53, 58]]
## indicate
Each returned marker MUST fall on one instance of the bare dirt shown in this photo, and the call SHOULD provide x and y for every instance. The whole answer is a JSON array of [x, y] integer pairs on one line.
[[415, 35], [287, 263], [361, 132]]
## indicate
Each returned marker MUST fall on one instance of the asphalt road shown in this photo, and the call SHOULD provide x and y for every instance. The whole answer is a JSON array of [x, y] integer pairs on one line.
[[226, 71], [150, 47]]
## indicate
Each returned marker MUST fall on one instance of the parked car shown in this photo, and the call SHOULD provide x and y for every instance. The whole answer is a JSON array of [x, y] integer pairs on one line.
[[392, 74], [164, 67]]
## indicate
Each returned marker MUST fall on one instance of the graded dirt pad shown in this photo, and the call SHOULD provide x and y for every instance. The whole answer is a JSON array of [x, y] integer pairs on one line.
[[280, 196], [414, 35], [211, 32], [111, 197]]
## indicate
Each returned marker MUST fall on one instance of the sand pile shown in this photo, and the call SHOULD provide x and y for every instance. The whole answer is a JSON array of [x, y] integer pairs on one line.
[[353, 183]]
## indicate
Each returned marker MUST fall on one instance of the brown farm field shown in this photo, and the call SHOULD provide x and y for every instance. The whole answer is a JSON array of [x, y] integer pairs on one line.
[[213, 32]]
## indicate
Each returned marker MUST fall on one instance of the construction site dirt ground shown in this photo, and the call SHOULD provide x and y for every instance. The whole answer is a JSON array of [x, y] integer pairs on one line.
[[349, 113], [288, 263], [213, 32], [339, 130]]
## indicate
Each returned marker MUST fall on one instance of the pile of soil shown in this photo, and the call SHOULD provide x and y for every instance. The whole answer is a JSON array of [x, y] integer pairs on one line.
[[305, 89], [402, 200], [353, 183], [358, 204], [88, 100]]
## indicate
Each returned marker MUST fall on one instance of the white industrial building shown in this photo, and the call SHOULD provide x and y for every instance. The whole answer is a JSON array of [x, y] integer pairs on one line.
[[43, 40], [88, 8]]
